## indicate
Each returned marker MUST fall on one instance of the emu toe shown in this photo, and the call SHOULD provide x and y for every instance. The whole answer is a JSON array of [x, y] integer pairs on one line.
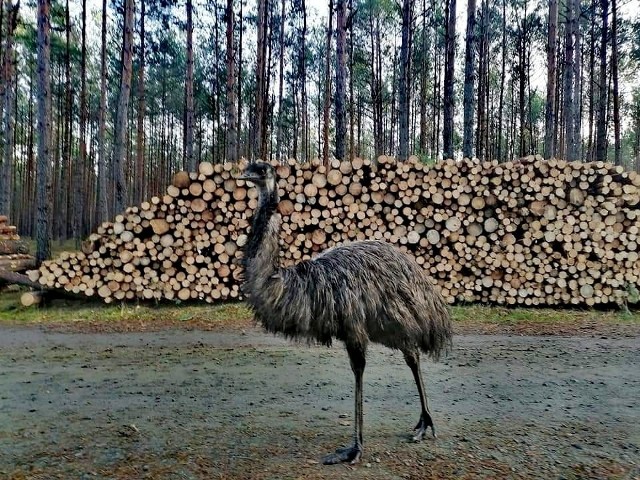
[[351, 454], [423, 425]]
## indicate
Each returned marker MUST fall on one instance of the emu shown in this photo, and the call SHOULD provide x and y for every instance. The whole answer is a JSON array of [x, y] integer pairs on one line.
[[357, 293]]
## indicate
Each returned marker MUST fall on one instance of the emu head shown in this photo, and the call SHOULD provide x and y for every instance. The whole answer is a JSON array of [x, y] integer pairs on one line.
[[262, 175]]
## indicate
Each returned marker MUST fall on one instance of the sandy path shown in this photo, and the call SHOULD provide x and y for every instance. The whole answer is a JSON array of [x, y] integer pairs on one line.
[[181, 404]]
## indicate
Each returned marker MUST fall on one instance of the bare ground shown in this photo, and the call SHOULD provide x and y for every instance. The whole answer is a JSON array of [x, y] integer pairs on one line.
[[183, 404]]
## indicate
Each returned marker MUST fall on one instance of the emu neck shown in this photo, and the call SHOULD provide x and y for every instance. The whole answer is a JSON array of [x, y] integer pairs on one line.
[[262, 252]]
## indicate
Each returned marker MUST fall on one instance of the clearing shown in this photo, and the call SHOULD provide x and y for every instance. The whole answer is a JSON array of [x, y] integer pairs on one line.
[[176, 401]]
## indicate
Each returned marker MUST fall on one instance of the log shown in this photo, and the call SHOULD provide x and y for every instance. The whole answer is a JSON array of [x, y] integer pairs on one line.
[[11, 247], [28, 299], [17, 263], [181, 180], [14, 278], [529, 232]]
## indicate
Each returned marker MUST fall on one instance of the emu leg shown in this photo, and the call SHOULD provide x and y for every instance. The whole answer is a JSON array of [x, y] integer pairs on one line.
[[413, 360], [353, 453]]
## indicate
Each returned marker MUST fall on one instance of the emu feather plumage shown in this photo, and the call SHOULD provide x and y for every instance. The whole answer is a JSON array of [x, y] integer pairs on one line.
[[358, 293]]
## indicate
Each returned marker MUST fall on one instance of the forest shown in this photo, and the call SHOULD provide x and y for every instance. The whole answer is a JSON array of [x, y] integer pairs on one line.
[[102, 101]]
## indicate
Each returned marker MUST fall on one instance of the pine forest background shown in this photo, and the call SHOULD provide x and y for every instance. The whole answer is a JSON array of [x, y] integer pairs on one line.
[[102, 101]]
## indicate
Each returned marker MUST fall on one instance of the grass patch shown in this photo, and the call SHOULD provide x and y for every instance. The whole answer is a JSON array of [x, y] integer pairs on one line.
[[505, 316], [73, 311], [467, 318]]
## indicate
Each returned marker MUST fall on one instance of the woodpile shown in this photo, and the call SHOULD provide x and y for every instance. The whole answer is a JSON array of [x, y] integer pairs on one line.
[[14, 253], [530, 232]]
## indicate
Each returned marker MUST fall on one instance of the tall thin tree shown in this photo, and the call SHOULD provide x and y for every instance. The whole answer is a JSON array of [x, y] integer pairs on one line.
[[102, 209], [404, 79], [615, 93], [120, 145], [190, 160], [43, 188], [7, 93], [550, 113], [80, 203], [603, 98], [469, 78], [326, 111], [341, 79], [259, 119], [449, 100], [140, 175], [230, 108]]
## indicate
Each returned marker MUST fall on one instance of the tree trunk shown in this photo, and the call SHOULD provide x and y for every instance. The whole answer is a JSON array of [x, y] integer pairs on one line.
[[140, 137], [405, 77], [280, 81], [469, 76], [592, 80], [449, 101], [327, 90], [603, 101], [550, 114], [120, 145], [576, 136], [376, 84], [102, 209], [304, 108], [7, 94], [43, 191], [190, 161], [616, 89], [483, 82], [261, 80], [239, 142], [341, 80], [499, 155], [232, 121], [68, 191], [82, 198]]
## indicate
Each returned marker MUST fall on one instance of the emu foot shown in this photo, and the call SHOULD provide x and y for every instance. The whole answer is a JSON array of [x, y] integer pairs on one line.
[[421, 428], [351, 454]]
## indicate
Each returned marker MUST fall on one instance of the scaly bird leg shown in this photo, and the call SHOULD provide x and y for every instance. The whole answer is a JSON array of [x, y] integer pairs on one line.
[[353, 454], [425, 422]]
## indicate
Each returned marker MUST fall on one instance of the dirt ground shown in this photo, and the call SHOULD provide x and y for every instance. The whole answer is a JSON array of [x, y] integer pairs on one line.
[[179, 404]]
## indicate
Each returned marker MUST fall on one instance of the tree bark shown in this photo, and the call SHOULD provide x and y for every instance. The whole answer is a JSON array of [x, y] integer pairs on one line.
[[261, 79], [190, 161], [449, 101], [499, 155], [7, 94], [81, 198], [120, 145], [616, 89], [341, 79], [327, 90], [576, 135], [376, 84], [603, 101], [232, 121], [304, 109], [102, 210], [140, 136], [469, 77], [404, 80], [43, 190], [550, 113], [280, 81]]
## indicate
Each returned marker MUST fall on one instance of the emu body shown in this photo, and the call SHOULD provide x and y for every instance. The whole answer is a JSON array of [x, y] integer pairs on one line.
[[358, 293]]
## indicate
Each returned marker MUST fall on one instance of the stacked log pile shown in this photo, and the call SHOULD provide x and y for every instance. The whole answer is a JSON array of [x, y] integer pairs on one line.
[[530, 232], [14, 253]]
